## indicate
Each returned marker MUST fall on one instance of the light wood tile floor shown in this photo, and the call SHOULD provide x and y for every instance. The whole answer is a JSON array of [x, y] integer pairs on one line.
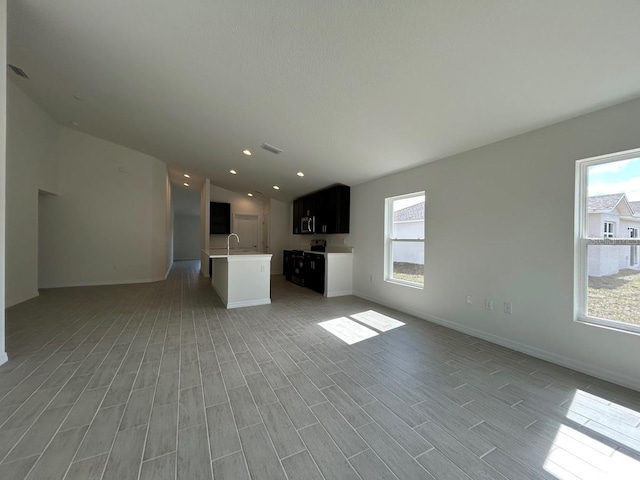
[[159, 381]]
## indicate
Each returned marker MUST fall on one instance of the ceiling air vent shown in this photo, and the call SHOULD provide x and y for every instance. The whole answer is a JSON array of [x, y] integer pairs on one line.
[[18, 71], [270, 148]]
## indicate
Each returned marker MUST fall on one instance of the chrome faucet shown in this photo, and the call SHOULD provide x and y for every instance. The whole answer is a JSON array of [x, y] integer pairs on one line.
[[229, 238]]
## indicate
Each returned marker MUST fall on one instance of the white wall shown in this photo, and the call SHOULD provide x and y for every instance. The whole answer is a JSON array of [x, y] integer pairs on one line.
[[3, 125], [186, 226], [517, 197], [240, 204], [108, 224], [107, 220], [280, 233], [32, 146], [186, 237], [161, 232], [204, 227]]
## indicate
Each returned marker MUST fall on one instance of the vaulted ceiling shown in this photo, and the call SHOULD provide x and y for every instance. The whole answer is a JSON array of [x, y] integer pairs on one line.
[[349, 90]]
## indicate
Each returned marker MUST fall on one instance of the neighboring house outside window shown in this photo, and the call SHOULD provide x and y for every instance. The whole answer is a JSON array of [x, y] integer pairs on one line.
[[607, 263], [404, 239], [608, 215]]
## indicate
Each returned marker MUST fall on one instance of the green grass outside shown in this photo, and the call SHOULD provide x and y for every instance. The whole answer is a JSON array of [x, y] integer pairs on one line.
[[616, 297], [408, 272]]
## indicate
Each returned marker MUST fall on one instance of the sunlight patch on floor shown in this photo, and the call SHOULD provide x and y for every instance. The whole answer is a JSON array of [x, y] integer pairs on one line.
[[579, 454], [377, 320], [347, 330]]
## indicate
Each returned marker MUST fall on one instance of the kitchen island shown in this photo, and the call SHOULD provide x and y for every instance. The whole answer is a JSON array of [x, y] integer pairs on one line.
[[241, 279]]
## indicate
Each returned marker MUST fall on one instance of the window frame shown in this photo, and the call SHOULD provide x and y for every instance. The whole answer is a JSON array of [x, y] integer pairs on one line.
[[606, 233], [582, 241], [389, 240]]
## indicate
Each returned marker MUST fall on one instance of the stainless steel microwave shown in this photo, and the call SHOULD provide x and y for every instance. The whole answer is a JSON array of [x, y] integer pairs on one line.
[[308, 225]]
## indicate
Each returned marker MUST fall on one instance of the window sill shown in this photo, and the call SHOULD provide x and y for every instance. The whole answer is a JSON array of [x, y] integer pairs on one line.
[[610, 325], [417, 286]]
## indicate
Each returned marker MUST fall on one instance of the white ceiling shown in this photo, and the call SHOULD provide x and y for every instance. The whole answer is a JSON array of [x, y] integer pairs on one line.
[[349, 90]]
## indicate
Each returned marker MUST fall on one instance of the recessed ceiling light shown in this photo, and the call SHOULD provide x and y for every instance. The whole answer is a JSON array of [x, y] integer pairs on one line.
[[233, 172], [276, 187], [187, 175], [78, 97], [250, 194], [300, 174], [185, 184], [247, 152], [74, 123]]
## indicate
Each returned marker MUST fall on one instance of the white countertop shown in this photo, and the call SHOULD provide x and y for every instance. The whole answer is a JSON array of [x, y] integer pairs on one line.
[[222, 253], [328, 253]]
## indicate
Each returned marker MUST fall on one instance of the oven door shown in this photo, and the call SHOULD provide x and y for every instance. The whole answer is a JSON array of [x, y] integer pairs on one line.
[[297, 274]]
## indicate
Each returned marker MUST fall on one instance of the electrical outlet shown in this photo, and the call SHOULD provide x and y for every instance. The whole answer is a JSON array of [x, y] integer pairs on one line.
[[507, 308], [488, 304], [469, 300], [262, 268]]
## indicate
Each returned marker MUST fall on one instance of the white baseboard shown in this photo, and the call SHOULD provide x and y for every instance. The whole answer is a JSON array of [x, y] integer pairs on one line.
[[339, 293], [584, 367], [4, 358], [249, 303], [166, 275], [22, 299], [105, 283]]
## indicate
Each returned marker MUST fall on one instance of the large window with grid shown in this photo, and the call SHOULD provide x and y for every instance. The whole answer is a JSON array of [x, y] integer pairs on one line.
[[404, 239], [607, 226]]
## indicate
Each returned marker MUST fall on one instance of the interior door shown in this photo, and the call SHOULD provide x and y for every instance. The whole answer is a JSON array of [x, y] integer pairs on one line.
[[246, 226]]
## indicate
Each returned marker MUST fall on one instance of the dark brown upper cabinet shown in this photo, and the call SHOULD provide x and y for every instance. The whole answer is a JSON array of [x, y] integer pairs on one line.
[[220, 218], [329, 207]]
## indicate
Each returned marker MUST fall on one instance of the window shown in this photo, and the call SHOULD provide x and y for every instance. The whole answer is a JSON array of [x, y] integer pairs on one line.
[[608, 222], [404, 239], [608, 230]]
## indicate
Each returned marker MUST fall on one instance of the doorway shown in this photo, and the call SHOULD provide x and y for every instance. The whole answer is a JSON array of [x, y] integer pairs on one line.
[[246, 226], [186, 223]]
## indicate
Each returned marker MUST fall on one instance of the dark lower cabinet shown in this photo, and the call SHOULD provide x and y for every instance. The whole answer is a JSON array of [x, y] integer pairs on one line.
[[287, 264], [314, 265]]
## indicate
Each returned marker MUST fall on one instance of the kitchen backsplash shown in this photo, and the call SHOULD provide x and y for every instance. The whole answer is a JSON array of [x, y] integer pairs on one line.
[[336, 242], [220, 241]]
